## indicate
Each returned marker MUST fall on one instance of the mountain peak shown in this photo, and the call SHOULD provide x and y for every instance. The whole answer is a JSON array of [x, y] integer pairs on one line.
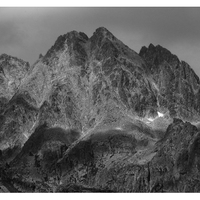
[[7, 60], [102, 29], [68, 38], [158, 54], [92, 100], [76, 34], [151, 46], [102, 32], [154, 48], [5, 56]]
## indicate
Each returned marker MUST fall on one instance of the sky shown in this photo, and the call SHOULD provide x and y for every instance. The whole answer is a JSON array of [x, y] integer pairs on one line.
[[27, 32]]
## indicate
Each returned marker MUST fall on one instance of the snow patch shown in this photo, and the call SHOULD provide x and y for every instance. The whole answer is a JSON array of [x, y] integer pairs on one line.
[[152, 119], [160, 114]]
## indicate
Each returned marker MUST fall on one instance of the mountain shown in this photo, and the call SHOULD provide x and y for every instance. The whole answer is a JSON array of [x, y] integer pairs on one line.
[[94, 115], [176, 82], [80, 83], [112, 161], [12, 71], [119, 162]]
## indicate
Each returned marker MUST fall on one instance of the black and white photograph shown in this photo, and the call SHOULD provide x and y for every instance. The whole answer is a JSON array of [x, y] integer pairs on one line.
[[99, 99]]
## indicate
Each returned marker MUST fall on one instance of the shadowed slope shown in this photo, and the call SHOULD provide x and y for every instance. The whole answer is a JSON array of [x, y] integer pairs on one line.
[[42, 135]]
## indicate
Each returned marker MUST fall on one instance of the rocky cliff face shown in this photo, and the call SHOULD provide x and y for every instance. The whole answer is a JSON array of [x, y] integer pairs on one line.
[[113, 160], [118, 103], [121, 163], [90, 83], [81, 83], [12, 71], [178, 87]]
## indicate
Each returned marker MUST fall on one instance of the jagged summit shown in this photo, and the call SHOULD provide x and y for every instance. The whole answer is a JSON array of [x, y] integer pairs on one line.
[[12, 71], [7, 57], [40, 56], [4, 55], [153, 48], [176, 81], [85, 83], [75, 34], [122, 104], [102, 34], [8, 63], [68, 40], [157, 54], [102, 30]]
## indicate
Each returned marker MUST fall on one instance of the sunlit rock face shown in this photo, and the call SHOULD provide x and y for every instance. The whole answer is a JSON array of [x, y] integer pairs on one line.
[[93, 115], [118, 75], [12, 71], [95, 83], [84, 82]]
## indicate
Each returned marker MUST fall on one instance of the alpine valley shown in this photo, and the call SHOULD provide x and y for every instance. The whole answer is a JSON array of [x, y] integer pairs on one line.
[[92, 115]]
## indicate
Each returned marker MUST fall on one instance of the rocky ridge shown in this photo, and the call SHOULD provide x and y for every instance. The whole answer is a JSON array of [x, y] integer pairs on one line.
[[113, 161], [81, 83], [12, 71], [118, 108], [178, 87]]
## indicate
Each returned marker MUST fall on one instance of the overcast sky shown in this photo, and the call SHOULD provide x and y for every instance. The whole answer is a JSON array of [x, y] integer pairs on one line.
[[27, 32]]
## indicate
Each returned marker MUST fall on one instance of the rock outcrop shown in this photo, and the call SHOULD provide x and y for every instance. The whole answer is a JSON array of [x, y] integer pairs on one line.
[[124, 164], [113, 160], [80, 83], [120, 106], [178, 87], [12, 71]]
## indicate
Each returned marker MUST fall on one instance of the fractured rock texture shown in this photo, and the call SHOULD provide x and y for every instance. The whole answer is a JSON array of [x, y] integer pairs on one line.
[[12, 71], [177, 84], [93, 115]]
